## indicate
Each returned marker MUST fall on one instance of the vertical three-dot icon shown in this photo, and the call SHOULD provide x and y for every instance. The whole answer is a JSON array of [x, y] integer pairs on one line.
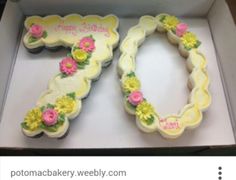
[[220, 173]]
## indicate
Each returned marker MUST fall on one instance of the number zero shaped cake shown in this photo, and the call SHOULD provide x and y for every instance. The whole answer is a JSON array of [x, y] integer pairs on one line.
[[91, 40], [147, 118]]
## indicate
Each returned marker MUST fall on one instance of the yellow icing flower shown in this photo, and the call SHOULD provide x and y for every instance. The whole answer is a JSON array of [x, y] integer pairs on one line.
[[65, 105], [80, 55], [144, 111], [131, 84], [170, 22], [189, 40], [33, 119]]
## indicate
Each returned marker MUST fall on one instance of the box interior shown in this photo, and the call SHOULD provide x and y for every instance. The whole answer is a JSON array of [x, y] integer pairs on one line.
[[124, 8], [118, 128], [223, 31]]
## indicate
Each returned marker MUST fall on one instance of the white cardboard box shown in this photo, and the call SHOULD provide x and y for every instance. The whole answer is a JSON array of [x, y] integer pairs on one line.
[[103, 122]]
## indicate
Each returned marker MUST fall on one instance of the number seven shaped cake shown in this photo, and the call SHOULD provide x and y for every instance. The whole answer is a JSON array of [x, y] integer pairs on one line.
[[91, 40], [147, 118]]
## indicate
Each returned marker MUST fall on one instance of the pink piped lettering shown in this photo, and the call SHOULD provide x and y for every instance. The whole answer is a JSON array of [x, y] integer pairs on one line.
[[169, 125], [82, 28]]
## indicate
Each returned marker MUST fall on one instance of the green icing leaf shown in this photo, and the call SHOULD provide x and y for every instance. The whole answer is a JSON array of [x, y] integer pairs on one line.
[[132, 74], [42, 108], [126, 94], [162, 18], [81, 65], [174, 31], [32, 39], [131, 106], [45, 34], [86, 62], [63, 75], [49, 128], [61, 118], [91, 36], [75, 48], [24, 126], [150, 120], [69, 55], [43, 126], [50, 106], [197, 44], [72, 95], [89, 56], [187, 48]]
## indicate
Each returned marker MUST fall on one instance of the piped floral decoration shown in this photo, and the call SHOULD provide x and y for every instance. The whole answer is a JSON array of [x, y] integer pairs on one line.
[[82, 51], [169, 22], [46, 118], [145, 112], [135, 98], [50, 117], [68, 66], [79, 57], [181, 29], [66, 104], [131, 83], [189, 40], [87, 44], [33, 119], [36, 32]]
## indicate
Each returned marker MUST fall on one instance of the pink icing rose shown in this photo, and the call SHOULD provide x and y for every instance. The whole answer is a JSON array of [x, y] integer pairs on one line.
[[181, 29], [87, 44], [135, 98], [50, 117], [36, 31], [68, 66]]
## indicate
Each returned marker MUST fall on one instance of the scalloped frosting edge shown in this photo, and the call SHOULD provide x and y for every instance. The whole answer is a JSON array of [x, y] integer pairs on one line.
[[90, 73], [171, 126]]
